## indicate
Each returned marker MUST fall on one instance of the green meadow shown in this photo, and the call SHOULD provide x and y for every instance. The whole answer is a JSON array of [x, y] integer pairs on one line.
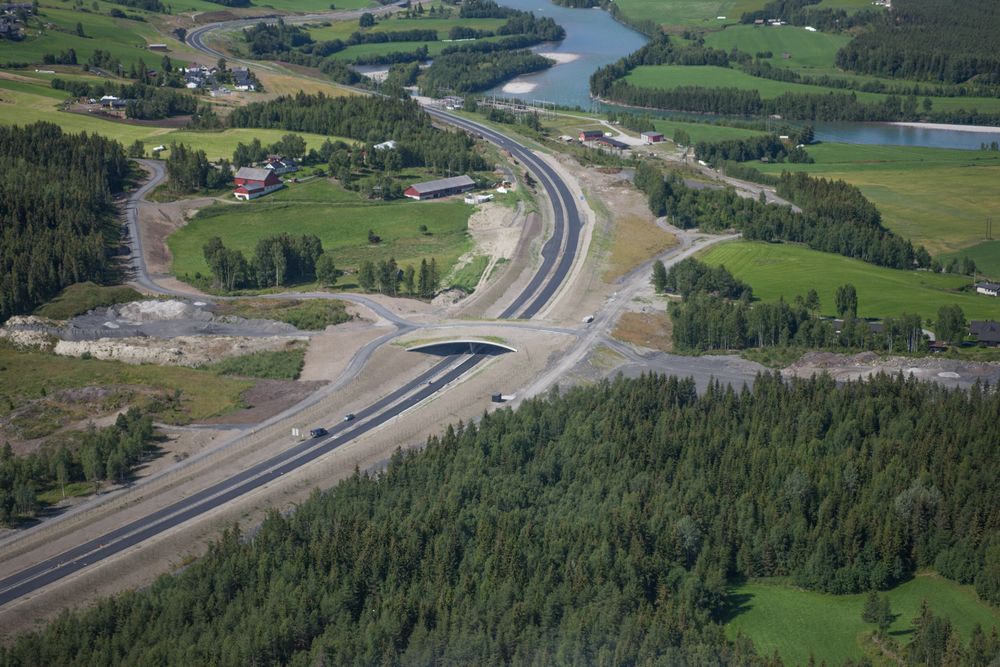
[[341, 220], [798, 623], [807, 49], [696, 13], [939, 198], [55, 31], [24, 103], [777, 270], [707, 76]]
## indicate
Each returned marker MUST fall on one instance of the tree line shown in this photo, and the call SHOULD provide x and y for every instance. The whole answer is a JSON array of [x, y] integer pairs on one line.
[[372, 120], [98, 455], [599, 525], [836, 217], [804, 13], [190, 171], [930, 41], [278, 261], [386, 277], [57, 222]]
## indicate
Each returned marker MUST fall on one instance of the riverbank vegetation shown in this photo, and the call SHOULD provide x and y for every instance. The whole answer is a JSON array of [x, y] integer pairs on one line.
[[613, 523]]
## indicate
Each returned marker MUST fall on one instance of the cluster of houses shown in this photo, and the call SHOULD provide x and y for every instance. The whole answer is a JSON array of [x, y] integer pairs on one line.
[[9, 24], [200, 76]]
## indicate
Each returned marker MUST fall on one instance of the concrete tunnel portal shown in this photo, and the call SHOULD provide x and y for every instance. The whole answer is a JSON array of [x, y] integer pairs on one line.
[[447, 348]]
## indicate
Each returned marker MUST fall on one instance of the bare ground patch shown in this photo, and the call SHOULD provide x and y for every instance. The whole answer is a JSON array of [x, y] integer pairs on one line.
[[652, 330], [266, 399], [157, 222]]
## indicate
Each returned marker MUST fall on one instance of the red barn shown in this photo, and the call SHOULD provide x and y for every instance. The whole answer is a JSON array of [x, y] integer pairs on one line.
[[252, 183]]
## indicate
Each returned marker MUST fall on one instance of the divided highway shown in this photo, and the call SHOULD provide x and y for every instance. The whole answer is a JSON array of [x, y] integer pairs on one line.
[[558, 255]]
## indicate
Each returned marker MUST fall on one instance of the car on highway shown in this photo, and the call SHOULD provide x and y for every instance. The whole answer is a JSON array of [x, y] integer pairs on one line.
[[317, 433], [349, 417]]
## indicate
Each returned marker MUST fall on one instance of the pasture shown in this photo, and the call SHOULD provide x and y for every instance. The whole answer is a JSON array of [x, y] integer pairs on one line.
[[341, 220], [798, 623], [783, 270], [55, 31], [694, 13], [939, 198], [807, 49], [24, 103]]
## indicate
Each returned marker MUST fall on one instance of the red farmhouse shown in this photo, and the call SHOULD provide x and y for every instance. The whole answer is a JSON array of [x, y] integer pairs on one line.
[[252, 183]]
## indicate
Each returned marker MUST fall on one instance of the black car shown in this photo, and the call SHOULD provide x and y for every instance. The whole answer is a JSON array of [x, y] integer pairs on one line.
[[349, 416], [317, 433]]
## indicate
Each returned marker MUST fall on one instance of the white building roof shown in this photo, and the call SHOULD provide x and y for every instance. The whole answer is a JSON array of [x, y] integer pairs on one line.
[[443, 184]]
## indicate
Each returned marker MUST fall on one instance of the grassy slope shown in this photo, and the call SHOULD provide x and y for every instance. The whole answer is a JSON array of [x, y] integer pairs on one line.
[[340, 219], [808, 49], [672, 76], [697, 13], [797, 623], [25, 103], [23, 375], [935, 197], [125, 39], [784, 270], [80, 298]]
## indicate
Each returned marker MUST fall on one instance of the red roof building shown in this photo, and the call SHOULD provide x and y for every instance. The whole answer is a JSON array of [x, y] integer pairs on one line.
[[252, 183]]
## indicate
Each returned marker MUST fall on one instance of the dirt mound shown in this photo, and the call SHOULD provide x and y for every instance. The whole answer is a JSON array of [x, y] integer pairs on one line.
[[137, 312], [179, 351], [844, 367]]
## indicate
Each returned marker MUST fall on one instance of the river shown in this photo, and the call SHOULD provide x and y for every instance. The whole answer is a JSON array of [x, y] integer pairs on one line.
[[594, 39]]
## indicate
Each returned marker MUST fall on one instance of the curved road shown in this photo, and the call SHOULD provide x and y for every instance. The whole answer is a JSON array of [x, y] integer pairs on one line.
[[558, 255]]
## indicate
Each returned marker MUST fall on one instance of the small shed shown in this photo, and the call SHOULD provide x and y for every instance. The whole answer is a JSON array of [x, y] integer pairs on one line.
[[651, 137], [591, 135]]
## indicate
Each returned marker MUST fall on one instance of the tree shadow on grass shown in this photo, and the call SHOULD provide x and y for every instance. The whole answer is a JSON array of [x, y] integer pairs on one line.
[[736, 604]]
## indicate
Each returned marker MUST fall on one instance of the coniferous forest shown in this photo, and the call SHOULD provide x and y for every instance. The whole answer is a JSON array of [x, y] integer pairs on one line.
[[56, 212], [597, 527]]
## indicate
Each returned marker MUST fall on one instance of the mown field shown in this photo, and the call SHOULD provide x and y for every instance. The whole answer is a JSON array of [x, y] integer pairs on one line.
[[344, 29], [340, 219], [807, 49], [23, 103], [696, 13], [123, 38], [673, 76], [936, 197], [798, 623], [777, 270]]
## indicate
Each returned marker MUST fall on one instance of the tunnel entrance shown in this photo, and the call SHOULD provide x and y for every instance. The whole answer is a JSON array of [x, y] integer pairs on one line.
[[447, 348]]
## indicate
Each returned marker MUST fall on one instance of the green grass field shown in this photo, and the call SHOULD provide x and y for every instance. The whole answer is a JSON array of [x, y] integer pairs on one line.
[[703, 131], [696, 13], [340, 219], [784, 270], [673, 76], [936, 197], [124, 39], [798, 623], [807, 49], [24, 103], [344, 29]]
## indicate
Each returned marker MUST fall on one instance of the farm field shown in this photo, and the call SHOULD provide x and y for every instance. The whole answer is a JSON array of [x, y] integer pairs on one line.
[[702, 131], [340, 219], [777, 270], [798, 623], [123, 38], [673, 76], [344, 29], [936, 197], [807, 49], [24, 104], [695, 13]]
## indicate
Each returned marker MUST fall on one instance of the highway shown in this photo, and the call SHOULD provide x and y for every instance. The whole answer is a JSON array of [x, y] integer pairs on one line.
[[558, 255]]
